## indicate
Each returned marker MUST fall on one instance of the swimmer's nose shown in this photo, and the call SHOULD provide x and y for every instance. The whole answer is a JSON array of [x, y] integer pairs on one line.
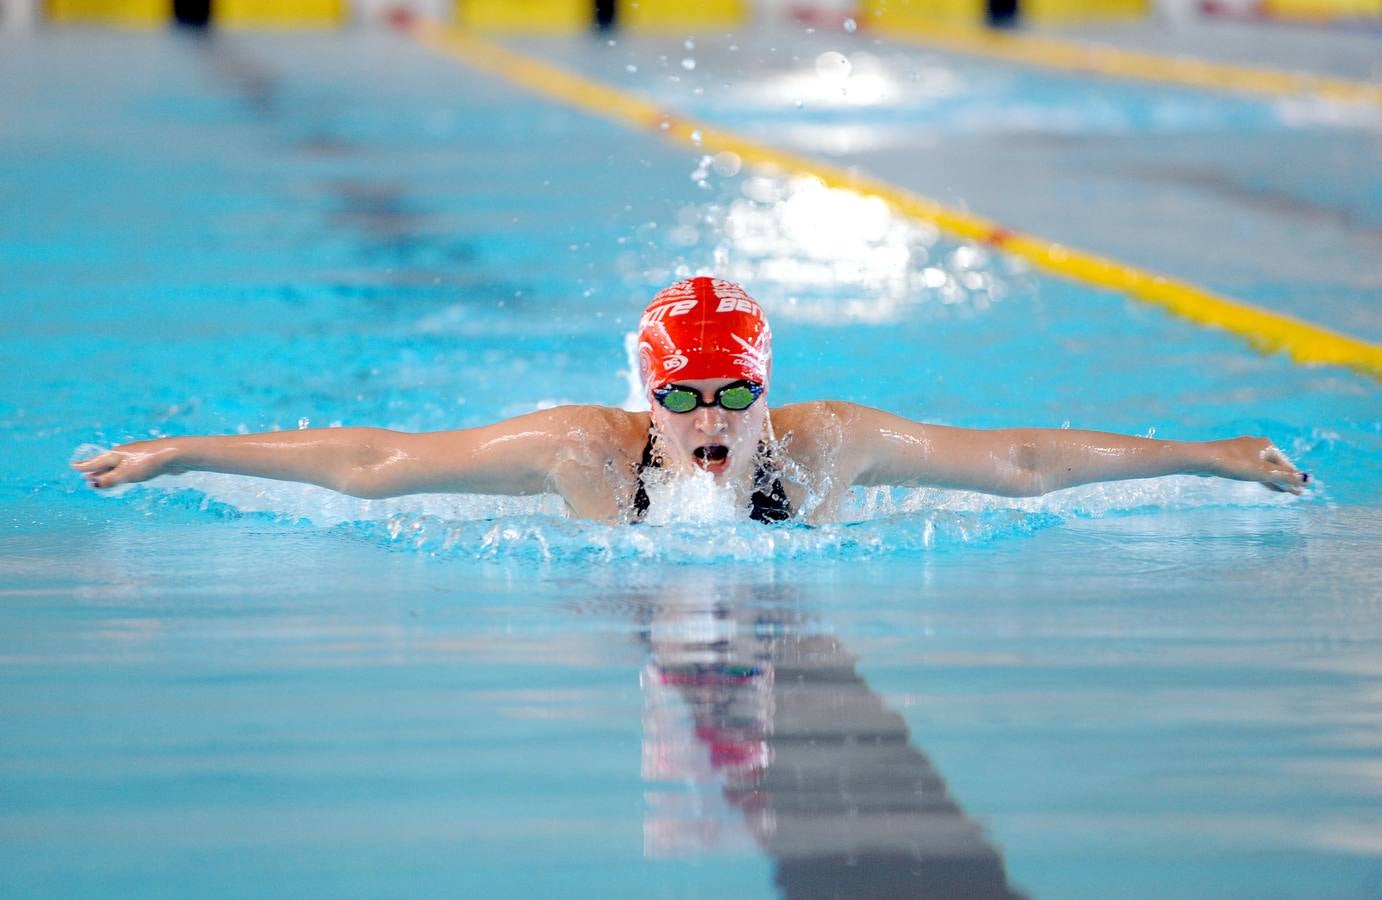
[[710, 420]]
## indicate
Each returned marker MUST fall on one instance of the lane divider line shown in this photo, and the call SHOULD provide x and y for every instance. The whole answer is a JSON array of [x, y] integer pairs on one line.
[[1105, 59], [1266, 331]]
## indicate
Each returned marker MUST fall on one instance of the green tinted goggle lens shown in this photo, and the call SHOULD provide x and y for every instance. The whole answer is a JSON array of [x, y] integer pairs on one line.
[[737, 397], [734, 397], [680, 401]]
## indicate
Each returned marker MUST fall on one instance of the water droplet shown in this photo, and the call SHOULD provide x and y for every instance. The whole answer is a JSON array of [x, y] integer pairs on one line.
[[630, 68], [833, 64], [690, 44], [850, 25], [303, 423], [727, 163], [688, 64], [696, 137]]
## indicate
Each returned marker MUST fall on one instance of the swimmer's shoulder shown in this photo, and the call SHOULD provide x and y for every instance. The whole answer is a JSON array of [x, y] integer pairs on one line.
[[814, 431], [813, 417], [619, 431]]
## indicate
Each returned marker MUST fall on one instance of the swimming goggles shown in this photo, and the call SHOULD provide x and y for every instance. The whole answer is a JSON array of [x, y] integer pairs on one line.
[[735, 396]]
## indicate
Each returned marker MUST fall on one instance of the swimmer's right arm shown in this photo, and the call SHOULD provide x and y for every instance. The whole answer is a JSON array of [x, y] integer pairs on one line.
[[515, 456]]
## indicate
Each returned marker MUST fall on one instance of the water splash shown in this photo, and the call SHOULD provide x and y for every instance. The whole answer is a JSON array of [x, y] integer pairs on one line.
[[828, 255], [691, 520], [693, 498]]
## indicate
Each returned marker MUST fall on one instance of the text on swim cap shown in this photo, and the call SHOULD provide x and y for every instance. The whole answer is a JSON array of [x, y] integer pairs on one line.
[[679, 308], [739, 304]]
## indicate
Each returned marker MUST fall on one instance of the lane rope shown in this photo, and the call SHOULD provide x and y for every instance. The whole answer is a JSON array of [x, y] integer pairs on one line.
[[1265, 331], [1105, 59]]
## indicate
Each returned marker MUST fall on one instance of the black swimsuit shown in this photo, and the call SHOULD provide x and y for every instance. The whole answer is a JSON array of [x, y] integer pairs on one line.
[[772, 506]]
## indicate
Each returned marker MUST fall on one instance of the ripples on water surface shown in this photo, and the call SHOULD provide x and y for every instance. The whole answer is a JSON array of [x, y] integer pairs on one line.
[[1161, 688]]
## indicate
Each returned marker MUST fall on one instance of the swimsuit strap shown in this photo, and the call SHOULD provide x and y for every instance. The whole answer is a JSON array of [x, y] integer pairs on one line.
[[769, 506], [640, 496]]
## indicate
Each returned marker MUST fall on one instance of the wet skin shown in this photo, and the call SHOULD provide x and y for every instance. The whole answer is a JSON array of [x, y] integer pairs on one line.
[[589, 455], [713, 439]]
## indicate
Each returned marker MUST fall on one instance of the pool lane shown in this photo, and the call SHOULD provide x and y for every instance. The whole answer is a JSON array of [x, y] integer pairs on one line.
[[1107, 60], [198, 696], [1269, 202], [1344, 50]]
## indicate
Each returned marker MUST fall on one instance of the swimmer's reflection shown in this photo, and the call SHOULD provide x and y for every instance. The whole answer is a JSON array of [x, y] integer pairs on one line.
[[815, 769]]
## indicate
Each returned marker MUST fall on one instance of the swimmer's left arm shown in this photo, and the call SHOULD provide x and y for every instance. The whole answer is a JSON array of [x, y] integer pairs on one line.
[[881, 448]]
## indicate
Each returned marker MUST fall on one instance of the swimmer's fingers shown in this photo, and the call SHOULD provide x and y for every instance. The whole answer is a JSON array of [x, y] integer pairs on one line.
[[107, 470], [124, 466], [1257, 459], [1288, 481], [100, 463], [1284, 476], [98, 469]]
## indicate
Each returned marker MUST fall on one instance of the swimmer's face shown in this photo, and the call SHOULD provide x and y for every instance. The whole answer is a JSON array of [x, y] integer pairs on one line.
[[710, 438]]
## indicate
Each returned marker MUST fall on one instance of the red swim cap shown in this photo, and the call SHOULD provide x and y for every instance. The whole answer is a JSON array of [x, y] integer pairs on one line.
[[703, 328]]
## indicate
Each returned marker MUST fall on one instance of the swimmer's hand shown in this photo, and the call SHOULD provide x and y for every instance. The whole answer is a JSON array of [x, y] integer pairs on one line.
[[130, 463], [1255, 459]]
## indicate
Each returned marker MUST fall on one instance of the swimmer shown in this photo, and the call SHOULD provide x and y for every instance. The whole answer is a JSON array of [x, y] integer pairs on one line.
[[705, 359]]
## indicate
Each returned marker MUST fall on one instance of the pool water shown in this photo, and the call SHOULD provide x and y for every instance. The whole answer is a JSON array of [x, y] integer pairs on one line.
[[228, 686]]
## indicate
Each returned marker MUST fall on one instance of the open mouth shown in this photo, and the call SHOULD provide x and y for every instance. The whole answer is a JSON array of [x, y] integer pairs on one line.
[[712, 457]]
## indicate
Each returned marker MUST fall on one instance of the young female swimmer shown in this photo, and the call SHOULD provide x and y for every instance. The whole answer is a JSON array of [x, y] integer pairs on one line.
[[705, 357]]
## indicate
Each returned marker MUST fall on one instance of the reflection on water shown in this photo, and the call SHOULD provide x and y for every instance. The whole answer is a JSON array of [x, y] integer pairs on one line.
[[758, 732]]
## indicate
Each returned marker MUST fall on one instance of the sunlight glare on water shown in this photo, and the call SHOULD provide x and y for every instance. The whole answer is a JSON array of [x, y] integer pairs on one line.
[[1147, 689]]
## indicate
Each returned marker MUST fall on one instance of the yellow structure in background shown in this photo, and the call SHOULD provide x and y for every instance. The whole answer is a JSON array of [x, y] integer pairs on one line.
[[1068, 12], [972, 12], [1322, 10], [559, 16], [279, 13], [129, 13], [224, 13], [663, 15], [923, 12], [527, 16]]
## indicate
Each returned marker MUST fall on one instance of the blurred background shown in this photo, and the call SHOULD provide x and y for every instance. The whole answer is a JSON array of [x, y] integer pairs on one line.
[[570, 15]]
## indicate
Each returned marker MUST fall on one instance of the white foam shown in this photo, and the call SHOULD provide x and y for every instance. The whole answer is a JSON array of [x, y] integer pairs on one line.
[[693, 498], [693, 520]]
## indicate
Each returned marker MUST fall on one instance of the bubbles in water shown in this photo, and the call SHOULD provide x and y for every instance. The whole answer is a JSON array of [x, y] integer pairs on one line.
[[850, 26], [726, 164], [688, 63], [833, 65], [630, 68]]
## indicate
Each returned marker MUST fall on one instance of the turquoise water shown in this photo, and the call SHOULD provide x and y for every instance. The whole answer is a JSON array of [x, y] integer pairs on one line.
[[229, 686]]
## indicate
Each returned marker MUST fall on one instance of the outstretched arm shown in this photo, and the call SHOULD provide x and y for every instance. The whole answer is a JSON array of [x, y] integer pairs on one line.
[[525, 455], [882, 448]]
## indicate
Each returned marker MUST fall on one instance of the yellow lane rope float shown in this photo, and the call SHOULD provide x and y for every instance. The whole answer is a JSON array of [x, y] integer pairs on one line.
[[1264, 330], [1103, 59]]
